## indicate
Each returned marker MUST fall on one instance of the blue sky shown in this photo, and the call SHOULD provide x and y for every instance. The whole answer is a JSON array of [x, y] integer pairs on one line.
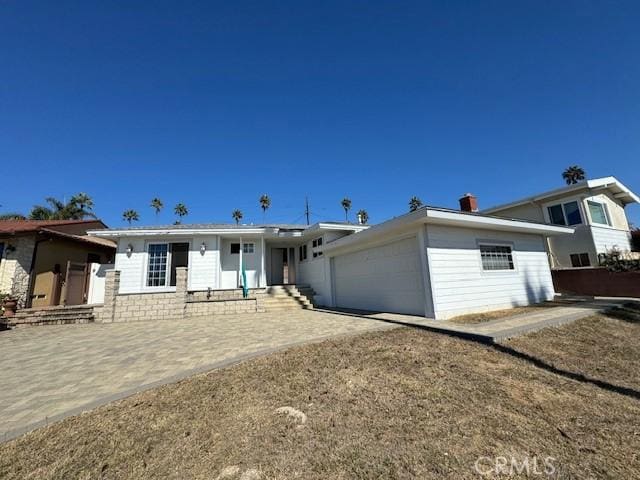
[[214, 103]]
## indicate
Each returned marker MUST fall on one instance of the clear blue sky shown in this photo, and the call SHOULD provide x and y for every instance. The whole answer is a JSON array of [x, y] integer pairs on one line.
[[214, 103]]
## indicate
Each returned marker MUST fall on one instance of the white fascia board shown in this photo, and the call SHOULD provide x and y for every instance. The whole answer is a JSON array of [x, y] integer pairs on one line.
[[604, 182], [442, 217], [181, 232], [493, 223]]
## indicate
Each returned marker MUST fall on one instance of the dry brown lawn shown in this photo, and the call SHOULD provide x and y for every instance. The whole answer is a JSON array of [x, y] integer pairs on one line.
[[472, 318], [404, 403]]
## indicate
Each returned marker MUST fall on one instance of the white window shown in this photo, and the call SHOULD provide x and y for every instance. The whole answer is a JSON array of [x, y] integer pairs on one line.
[[565, 214], [496, 257], [246, 248], [598, 213], [317, 247], [163, 260]]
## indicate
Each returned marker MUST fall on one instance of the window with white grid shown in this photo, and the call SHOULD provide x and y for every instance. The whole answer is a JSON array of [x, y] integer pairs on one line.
[[496, 257], [157, 271]]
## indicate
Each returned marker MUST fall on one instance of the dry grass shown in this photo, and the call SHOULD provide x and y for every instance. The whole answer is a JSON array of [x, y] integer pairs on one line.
[[399, 404], [497, 314]]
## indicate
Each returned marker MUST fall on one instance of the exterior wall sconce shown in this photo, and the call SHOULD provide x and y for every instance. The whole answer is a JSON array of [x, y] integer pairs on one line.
[[203, 248], [129, 250]]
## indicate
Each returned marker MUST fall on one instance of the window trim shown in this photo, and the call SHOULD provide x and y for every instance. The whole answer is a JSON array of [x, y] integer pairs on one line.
[[565, 218], [497, 243], [166, 287], [244, 248], [579, 257], [605, 211]]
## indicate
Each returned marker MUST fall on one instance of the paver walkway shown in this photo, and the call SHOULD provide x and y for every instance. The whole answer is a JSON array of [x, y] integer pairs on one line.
[[51, 372], [48, 373]]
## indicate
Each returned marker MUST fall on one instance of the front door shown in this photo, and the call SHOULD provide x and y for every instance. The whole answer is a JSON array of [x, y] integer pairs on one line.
[[277, 266], [76, 283]]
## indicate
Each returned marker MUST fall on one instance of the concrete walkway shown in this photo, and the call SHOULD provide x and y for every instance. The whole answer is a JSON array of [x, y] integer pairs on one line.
[[52, 372], [503, 328]]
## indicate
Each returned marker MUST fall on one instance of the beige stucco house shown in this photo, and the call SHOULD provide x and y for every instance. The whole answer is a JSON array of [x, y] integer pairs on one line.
[[44, 262], [594, 208]]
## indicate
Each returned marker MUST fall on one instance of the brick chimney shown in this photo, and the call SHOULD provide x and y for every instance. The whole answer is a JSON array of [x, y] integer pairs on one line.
[[469, 203]]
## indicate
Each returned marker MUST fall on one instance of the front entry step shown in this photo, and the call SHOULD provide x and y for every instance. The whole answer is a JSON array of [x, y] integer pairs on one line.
[[287, 297], [51, 316]]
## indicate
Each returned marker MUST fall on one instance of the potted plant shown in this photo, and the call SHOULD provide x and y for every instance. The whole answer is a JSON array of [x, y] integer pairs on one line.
[[9, 305]]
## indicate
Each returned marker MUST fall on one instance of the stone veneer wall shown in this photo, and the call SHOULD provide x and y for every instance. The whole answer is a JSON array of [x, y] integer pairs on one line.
[[173, 305], [15, 267]]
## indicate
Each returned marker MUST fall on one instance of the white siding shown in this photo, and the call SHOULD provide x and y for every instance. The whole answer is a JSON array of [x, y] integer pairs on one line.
[[315, 273], [460, 285], [230, 263], [385, 278], [607, 238], [131, 266], [563, 246], [203, 269]]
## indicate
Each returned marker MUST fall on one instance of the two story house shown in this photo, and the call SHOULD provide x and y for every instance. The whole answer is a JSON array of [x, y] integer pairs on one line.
[[594, 208]]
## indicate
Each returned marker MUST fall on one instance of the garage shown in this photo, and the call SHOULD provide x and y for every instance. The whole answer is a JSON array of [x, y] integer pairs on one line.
[[385, 278]]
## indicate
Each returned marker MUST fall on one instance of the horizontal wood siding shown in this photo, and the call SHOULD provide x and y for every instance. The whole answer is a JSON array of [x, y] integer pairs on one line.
[[607, 238], [460, 285]]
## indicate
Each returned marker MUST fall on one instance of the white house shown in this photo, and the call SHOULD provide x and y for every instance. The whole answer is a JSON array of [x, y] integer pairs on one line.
[[596, 210], [432, 262]]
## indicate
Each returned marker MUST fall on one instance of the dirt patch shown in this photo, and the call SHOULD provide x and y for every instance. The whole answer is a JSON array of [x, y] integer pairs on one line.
[[473, 318], [398, 404]]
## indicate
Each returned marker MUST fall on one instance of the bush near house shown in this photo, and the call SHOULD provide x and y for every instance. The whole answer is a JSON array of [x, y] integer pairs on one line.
[[612, 262]]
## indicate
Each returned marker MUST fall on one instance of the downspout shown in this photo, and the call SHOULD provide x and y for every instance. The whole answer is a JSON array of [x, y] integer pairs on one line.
[[240, 263]]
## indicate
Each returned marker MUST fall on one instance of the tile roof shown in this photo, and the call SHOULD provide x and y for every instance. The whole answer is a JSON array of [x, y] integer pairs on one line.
[[24, 226]]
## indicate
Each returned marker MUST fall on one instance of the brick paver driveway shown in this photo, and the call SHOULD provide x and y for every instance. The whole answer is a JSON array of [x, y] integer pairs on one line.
[[48, 373]]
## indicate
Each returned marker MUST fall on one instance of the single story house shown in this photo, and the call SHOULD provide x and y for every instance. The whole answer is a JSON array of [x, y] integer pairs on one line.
[[594, 208], [433, 262], [45, 262]]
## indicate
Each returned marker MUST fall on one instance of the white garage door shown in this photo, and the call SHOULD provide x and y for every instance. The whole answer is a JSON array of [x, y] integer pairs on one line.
[[387, 278]]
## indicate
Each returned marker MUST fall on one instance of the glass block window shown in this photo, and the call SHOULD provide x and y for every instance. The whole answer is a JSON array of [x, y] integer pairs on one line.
[[157, 269], [496, 257], [598, 213]]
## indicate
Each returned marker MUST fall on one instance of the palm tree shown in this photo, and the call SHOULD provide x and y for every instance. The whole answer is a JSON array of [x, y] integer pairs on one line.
[[237, 216], [265, 203], [180, 210], [573, 174], [157, 205], [414, 203], [58, 210], [82, 200], [130, 216], [363, 216], [346, 204], [12, 216]]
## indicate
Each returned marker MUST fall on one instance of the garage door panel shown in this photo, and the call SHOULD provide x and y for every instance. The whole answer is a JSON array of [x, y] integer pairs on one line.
[[385, 278]]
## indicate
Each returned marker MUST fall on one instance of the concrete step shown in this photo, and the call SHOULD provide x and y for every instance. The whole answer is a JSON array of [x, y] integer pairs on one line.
[[51, 316]]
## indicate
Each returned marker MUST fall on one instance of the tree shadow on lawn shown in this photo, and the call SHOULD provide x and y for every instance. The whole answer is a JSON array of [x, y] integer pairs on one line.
[[487, 341]]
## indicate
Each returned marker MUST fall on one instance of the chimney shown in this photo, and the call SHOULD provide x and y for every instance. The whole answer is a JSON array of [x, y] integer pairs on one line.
[[469, 203]]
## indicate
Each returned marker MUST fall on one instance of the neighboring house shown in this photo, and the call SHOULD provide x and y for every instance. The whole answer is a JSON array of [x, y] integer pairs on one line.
[[432, 262], [595, 208], [44, 263]]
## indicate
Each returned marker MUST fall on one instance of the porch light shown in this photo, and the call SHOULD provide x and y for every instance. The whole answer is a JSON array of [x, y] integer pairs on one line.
[[129, 250], [203, 248]]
